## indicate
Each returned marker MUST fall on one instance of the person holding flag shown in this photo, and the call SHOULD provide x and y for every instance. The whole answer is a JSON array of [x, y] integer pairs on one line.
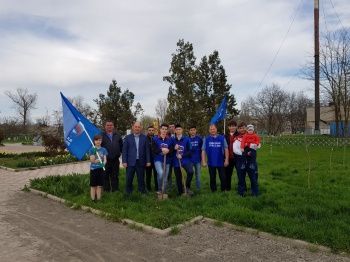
[[78, 131], [98, 158]]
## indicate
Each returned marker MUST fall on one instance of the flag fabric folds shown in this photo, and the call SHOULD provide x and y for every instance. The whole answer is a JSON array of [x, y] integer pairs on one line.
[[78, 130], [220, 113]]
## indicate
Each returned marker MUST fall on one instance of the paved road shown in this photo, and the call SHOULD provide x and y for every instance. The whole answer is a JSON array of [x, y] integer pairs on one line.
[[33, 228]]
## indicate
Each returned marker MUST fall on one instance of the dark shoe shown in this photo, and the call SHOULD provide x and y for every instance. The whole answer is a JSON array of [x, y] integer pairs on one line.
[[189, 192]]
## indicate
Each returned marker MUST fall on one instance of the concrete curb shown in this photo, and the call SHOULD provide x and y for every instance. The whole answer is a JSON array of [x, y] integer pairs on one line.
[[125, 221], [8, 168], [196, 220], [289, 241], [40, 167]]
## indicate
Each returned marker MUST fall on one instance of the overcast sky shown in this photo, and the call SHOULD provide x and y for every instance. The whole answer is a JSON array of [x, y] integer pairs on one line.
[[79, 46]]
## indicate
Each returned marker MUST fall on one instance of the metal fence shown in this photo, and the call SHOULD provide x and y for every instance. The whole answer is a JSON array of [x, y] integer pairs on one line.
[[326, 141]]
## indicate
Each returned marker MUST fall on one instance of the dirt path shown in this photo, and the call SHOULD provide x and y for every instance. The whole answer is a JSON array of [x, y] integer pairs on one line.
[[33, 228]]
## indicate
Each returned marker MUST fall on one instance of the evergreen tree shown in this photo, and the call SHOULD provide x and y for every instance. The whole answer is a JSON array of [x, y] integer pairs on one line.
[[195, 92], [211, 89], [182, 106], [117, 106]]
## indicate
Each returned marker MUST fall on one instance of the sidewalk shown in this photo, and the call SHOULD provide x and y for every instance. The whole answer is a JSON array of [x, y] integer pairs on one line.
[[19, 148]]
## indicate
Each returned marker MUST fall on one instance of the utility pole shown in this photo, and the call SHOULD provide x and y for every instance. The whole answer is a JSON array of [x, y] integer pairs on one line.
[[317, 66]]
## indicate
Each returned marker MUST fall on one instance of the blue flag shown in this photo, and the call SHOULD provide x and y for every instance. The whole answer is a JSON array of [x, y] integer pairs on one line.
[[220, 113], [78, 130]]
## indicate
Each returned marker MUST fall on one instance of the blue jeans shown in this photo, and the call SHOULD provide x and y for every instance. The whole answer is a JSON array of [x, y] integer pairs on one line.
[[159, 167], [197, 172], [252, 170], [241, 173]]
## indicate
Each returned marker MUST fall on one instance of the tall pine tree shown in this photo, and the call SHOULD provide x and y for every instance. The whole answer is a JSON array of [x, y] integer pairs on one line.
[[211, 89], [195, 92], [182, 79], [116, 106]]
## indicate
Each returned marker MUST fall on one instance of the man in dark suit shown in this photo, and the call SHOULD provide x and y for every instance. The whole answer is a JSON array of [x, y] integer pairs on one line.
[[113, 142], [150, 169], [135, 157]]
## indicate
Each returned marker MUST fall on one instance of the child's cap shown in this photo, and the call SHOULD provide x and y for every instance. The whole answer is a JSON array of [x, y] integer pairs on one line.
[[250, 127]]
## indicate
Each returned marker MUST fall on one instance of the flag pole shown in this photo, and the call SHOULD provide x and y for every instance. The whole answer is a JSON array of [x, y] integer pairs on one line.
[[92, 143], [224, 126]]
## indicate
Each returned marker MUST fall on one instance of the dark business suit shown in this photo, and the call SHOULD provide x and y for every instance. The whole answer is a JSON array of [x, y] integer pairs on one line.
[[150, 169], [114, 148], [135, 162]]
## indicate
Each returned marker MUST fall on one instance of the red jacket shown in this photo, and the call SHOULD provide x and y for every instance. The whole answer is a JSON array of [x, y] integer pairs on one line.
[[249, 139]]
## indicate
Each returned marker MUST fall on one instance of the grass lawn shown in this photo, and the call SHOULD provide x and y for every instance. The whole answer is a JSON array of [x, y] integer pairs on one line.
[[34, 159], [301, 199]]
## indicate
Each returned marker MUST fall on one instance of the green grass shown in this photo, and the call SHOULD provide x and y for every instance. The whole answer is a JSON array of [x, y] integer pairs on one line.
[[174, 231], [298, 202]]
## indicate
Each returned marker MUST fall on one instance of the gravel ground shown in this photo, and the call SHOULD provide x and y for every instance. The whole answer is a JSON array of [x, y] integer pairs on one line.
[[33, 228]]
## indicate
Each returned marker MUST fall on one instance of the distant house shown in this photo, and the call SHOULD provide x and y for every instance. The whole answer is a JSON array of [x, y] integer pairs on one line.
[[327, 121]]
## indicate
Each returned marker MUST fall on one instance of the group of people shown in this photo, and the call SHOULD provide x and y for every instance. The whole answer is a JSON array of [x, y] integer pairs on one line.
[[170, 151]]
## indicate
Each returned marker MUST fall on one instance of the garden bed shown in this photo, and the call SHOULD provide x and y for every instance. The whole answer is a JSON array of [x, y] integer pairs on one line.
[[32, 160]]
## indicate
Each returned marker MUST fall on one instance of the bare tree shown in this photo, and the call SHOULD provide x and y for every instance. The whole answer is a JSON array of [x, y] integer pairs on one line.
[[161, 109], [247, 113], [268, 109], [335, 74], [24, 102], [44, 121], [147, 120], [78, 102], [297, 104]]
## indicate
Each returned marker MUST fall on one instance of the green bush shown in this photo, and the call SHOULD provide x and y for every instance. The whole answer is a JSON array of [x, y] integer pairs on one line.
[[53, 143], [35, 159]]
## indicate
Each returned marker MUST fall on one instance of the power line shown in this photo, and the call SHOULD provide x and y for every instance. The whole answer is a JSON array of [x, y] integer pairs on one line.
[[283, 40], [336, 13], [324, 18]]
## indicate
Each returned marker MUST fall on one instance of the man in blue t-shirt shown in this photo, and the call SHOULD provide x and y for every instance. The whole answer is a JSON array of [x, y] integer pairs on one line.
[[182, 159], [215, 150], [196, 150]]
